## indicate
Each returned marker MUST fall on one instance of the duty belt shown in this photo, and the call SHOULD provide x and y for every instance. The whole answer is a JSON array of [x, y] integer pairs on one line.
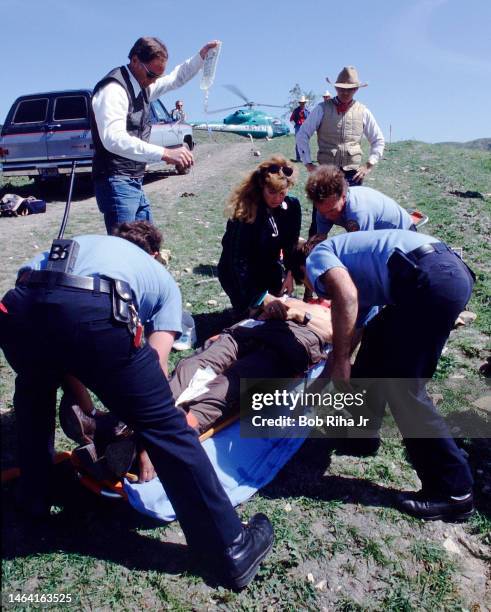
[[33, 278], [425, 249]]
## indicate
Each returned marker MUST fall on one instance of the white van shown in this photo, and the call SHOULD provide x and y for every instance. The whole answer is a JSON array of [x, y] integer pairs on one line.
[[43, 133]]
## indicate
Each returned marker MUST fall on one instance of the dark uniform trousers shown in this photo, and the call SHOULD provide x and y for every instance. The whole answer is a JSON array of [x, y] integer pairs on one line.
[[404, 342], [273, 349], [49, 333]]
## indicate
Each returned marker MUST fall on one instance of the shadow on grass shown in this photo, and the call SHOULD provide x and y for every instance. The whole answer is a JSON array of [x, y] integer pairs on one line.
[[479, 451], [206, 270], [304, 476], [54, 190], [95, 527]]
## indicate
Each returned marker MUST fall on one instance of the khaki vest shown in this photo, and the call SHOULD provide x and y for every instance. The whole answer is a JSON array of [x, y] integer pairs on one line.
[[339, 136]]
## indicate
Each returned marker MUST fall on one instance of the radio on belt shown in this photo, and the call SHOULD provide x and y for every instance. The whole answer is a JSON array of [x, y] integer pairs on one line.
[[63, 253]]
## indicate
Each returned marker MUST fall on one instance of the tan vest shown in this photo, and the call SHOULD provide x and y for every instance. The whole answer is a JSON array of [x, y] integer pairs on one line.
[[339, 136]]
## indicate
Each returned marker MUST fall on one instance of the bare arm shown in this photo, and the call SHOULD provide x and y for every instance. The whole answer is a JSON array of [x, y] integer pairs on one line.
[[344, 306], [162, 342]]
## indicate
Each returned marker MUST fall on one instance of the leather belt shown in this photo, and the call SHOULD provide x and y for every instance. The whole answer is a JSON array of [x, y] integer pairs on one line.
[[423, 250], [33, 278]]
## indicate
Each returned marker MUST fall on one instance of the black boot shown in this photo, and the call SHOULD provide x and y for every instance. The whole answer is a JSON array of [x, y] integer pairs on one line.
[[433, 508], [250, 547]]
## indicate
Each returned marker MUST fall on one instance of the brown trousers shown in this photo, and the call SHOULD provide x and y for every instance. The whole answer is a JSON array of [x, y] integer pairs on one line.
[[275, 349]]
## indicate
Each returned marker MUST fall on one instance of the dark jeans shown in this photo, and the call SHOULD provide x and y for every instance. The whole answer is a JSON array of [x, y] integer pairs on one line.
[[297, 154], [405, 341], [49, 333]]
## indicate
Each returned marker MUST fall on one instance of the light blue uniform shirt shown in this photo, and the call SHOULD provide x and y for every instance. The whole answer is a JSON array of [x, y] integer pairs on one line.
[[155, 291], [364, 255], [370, 210]]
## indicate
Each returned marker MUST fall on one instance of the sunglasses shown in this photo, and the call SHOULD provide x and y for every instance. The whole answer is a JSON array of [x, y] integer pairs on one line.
[[276, 169], [150, 73]]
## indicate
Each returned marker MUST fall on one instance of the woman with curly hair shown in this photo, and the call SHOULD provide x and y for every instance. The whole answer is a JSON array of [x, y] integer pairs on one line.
[[262, 230]]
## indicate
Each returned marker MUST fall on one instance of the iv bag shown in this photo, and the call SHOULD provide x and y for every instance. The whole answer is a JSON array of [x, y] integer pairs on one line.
[[209, 67]]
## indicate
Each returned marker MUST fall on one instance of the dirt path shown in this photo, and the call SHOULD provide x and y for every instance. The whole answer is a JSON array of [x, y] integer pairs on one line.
[[22, 237]]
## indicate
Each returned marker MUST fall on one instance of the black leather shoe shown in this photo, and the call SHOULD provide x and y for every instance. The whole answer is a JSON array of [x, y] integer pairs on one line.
[[120, 455], [431, 508], [250, 547]]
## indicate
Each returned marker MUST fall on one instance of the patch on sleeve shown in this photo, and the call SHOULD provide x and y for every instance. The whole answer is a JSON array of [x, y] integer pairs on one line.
[[352, 225]]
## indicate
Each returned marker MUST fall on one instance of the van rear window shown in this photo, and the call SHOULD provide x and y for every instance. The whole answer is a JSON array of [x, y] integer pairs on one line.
[[31, 111], [70, 107]]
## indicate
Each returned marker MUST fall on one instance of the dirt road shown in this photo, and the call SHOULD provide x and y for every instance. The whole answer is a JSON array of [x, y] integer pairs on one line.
[[21, 237]]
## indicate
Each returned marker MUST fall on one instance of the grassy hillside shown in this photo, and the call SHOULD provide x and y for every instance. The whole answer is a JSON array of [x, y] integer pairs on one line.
[[341, 544], [483, 144]]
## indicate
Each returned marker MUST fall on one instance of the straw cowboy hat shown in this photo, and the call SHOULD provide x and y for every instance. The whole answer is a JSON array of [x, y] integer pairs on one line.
[[348, 79], [303, 99]]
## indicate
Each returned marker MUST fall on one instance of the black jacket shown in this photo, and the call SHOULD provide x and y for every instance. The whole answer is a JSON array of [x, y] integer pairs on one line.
[[250, 260]]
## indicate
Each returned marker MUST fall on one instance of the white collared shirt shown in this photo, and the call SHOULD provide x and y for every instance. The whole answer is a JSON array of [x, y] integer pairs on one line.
[[110, 105], [371, 131]]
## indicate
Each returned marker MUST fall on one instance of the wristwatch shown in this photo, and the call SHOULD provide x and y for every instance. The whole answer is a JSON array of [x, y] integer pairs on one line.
[[307, 317]]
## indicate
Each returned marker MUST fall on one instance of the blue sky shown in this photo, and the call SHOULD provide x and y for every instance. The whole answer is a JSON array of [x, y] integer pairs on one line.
[[427, 62]]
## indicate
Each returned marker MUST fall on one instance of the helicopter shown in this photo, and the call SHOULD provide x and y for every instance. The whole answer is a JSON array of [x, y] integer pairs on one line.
[[246, 120]]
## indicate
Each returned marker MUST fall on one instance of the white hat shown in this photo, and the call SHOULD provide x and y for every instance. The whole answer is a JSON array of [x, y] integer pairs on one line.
[[303, 99], [326, 94]]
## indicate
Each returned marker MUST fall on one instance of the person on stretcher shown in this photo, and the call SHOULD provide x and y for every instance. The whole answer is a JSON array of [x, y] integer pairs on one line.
[[286, 338]]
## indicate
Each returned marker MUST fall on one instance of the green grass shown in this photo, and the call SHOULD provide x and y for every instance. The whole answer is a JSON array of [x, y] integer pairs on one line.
[[341, 525]]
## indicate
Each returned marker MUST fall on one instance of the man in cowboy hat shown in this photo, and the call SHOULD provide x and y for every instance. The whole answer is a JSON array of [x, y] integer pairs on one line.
[[298, 116], [326, 95], [341, 122]]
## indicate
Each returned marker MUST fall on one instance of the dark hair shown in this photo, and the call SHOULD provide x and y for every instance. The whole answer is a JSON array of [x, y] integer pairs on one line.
[[143, 234], [148, 48], [324, 182], [299, 255]]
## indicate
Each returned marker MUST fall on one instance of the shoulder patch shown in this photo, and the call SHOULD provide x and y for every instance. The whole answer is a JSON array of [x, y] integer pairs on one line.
[[351, 225]]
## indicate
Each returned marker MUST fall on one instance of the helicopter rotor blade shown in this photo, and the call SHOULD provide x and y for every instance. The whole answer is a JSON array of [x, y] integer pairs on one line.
[[222, 110], [271, 105], [234, 89]]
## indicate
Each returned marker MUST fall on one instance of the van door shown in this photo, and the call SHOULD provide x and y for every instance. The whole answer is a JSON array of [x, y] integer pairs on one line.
[[68, 133], [24, 135], [165, 133]]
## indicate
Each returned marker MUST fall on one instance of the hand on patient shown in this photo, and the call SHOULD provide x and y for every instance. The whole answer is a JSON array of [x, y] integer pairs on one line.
[[274, 309], [146, 471], [278, 310]]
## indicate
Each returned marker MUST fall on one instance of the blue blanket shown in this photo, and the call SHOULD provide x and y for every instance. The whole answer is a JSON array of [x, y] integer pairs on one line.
[[243, 466]]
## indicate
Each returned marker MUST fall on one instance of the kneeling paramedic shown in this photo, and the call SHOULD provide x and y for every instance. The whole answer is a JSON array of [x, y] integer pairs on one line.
[[87, 324]]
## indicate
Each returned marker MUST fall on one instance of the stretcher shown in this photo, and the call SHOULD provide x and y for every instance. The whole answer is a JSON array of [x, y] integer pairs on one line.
[[419, 218], [243, 466]]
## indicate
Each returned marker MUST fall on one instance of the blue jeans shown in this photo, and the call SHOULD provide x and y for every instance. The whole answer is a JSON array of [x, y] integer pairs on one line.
[[121, 199], [48, 333]]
